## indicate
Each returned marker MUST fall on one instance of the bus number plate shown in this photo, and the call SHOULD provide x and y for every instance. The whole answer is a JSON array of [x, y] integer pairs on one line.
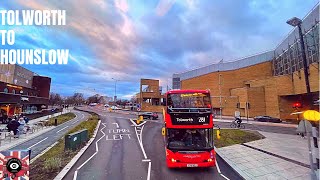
[[192, 165]]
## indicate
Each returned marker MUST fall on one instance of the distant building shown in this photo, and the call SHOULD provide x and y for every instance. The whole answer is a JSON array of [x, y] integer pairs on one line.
[[22, 91], [150, 96], [105, 99]]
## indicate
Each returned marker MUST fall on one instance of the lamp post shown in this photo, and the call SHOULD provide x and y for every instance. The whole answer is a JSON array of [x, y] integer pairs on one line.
[[296, 22], [220, 96], [115, 89]]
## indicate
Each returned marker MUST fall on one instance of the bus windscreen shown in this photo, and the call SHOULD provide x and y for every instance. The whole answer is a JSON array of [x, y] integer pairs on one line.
[[189, 100], [190, 139]]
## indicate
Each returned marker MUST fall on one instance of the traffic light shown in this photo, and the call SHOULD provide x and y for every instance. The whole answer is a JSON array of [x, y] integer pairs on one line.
[[297, 105]]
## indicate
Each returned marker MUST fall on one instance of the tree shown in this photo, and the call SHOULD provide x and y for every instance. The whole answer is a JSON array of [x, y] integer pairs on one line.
[[55, 99]]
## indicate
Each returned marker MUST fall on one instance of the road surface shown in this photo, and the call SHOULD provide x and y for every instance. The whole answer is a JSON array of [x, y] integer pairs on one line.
[[116, 153]]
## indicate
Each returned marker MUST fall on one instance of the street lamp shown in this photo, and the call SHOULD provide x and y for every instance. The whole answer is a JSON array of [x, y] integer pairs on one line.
[[115, 89], [297, 22]]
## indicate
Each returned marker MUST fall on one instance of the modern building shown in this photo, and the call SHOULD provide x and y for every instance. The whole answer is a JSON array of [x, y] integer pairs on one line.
[[22, 91], [268, 83], [150, 97]]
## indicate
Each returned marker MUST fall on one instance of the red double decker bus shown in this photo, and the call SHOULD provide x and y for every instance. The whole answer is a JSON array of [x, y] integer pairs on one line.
[[188, 129]]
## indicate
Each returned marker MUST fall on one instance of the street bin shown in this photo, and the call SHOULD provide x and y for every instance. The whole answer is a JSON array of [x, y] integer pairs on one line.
[[74, 140]]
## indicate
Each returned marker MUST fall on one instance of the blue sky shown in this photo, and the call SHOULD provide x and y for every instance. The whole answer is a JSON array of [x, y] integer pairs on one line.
[[130, 39]]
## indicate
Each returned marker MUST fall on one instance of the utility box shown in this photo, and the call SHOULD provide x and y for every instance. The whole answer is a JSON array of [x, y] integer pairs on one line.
[[74, 140]]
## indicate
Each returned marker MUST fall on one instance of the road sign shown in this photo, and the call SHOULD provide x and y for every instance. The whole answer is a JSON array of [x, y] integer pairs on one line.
[[138, 109], [138, 106]]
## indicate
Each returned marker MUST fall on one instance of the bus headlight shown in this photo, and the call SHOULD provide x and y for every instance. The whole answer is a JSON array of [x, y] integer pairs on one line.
[[173, 160], [209, 160]]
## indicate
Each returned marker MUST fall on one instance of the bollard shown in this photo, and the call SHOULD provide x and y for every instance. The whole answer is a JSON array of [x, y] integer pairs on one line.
[[56, 122]]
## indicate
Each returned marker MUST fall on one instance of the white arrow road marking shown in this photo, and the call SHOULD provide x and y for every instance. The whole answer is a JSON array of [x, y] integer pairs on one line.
[[37, 143], [97, 150], [116, 124]]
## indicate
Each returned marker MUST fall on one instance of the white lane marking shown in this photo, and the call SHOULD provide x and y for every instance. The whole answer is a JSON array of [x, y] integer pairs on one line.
[[75, 175], [37, 143], [75, 121], [116, 124], [149, 171], [217, 165], [224, 177], [97, 150], [135, 124], [141, 134], [62, 129], [146, 160], [82, 116], [141, 145], [218, 168]]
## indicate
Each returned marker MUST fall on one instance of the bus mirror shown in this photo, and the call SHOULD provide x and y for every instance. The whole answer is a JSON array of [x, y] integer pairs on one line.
[[218, 134], [163, 131]]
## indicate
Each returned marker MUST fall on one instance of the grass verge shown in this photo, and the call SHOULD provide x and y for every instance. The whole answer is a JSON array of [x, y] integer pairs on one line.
[[61, 119], [235, 136], [53, 161]]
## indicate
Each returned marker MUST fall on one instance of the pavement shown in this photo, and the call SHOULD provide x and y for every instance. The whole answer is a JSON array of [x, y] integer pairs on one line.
[[123, 150], [44, 137], [278, 156]]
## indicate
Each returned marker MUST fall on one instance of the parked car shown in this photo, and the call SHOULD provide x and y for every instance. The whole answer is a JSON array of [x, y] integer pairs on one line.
[[115, 108], [106, 105], [267, 119], [149, 115], [93, 104]]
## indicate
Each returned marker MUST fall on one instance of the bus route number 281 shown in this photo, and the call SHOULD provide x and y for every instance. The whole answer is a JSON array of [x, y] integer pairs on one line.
[[202, 119]]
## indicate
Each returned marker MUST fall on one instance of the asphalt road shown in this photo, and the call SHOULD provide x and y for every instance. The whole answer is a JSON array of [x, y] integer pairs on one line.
[[41, 142], [117, 154]]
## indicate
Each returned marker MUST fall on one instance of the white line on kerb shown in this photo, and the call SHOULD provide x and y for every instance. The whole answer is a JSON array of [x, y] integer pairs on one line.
[[37, 143], [146, 160], [62, 129], [97, 150]]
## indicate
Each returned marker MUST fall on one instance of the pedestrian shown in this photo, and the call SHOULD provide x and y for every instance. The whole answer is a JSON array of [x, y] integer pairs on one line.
[[26, 119], [13, 126], [21, 126]]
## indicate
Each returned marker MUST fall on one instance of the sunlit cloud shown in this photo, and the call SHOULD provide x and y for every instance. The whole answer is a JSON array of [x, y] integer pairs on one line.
[[164, 6], [129, 40]]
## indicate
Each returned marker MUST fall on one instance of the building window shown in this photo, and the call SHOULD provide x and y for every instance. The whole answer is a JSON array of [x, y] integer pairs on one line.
[[13, 91], [5, 90]]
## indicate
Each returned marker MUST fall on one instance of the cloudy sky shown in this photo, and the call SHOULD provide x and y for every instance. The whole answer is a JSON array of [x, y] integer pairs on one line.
[[132, 39]]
